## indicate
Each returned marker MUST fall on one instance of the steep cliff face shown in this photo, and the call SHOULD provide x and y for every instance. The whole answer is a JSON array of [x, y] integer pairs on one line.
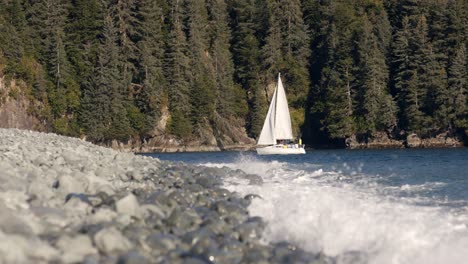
[[228, 135], [15, 107], [17, 111]]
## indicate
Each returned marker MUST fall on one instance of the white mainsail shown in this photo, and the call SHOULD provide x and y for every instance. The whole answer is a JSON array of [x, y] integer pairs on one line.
[[278, 121], [267, 136]]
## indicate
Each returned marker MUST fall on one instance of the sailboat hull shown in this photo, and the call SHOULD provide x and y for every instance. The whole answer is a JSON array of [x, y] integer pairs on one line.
[[280, 150]]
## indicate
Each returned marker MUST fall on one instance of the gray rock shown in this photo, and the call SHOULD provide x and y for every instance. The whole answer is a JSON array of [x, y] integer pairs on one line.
[[189, 217], [134, 175], [71, 157], [12, 224], [110, 240], [187, 220], [75, 249], [67, 184], [77, 205], [161, 243], [42, 190], [132, 257], [129, 206]]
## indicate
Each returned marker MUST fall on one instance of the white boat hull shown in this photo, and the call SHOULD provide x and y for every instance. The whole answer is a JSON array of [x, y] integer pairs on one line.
[[280, 150]]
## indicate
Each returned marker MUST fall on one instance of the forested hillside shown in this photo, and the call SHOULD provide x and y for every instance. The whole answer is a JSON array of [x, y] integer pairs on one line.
[[122, 69]]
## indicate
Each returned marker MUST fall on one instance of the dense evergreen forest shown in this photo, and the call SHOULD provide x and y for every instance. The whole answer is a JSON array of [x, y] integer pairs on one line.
[[110, 69]]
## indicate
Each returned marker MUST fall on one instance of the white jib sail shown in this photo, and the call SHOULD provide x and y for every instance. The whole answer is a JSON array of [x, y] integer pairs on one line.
[[283, 128], [267, 136]]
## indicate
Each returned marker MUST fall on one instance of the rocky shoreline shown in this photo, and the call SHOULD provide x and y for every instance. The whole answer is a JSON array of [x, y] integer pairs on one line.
[[383, 141], [64, 200]]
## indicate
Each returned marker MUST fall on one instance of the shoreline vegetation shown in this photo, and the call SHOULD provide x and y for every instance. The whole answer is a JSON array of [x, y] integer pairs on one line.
[[191, 73], [65, 200], [412, 141]]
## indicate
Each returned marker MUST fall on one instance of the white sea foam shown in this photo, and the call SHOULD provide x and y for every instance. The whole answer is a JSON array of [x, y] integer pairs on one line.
[[352, 220]]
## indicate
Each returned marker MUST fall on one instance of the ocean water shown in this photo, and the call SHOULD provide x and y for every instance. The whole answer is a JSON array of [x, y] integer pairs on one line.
[[359, 206]]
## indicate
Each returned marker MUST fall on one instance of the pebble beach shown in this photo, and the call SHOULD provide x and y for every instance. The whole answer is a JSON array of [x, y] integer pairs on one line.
[[65, 200]]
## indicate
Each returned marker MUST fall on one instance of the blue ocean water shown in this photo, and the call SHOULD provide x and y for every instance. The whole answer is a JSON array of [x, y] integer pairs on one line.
[[360, 206]]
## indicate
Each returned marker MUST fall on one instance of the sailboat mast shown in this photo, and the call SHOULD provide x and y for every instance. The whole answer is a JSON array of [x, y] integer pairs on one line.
[[276, 100]]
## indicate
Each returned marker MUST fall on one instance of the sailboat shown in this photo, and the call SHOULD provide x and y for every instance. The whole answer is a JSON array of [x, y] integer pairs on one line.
[[276, 132]]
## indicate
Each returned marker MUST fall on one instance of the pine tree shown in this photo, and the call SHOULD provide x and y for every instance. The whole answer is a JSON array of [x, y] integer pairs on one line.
[[245, 47], [379, 109], [150, 63], [177, 74], [11, 24], [124, 15], [82, 34], [405, 78], [202, 77], [286, 51], [230, 101], [337, 77], [458, 83], [104, 114]]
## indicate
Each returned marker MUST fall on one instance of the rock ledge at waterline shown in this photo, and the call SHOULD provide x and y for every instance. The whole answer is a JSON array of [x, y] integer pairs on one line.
[[65, 200]]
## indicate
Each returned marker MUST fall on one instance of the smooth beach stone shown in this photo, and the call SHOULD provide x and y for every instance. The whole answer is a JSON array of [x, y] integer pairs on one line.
[[217, 226], [42, 190], [149, 210], [75, 249], [195, 188], [110, 240], [191, 238], [250, 197], [41, 161], [230, 208], [91, 229], [203, 199], [249, 231], [173, 201], [10, 250], [161, 243], [134, 175], [193, 260], [136, 231], [77, 205], [187, 220], [257, 254], [132, 257], [179, 197], [67, 184], [104, 172], [12, 224], [282, 251], [205, 246], [18, 249], [129, 206], [220, 193], [71, 157], [51, 217], [300, 256], [206, 181], [254, 179], [102, 215]]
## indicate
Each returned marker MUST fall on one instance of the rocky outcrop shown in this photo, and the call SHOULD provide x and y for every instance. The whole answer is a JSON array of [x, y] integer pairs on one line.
[[443, 140], [219, 136], [169, 144], [377, 141], [14, 106], [382, 140]]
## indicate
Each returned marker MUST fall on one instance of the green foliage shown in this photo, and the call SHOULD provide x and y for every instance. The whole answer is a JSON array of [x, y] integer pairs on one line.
[[106, 68], [179, 125]]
